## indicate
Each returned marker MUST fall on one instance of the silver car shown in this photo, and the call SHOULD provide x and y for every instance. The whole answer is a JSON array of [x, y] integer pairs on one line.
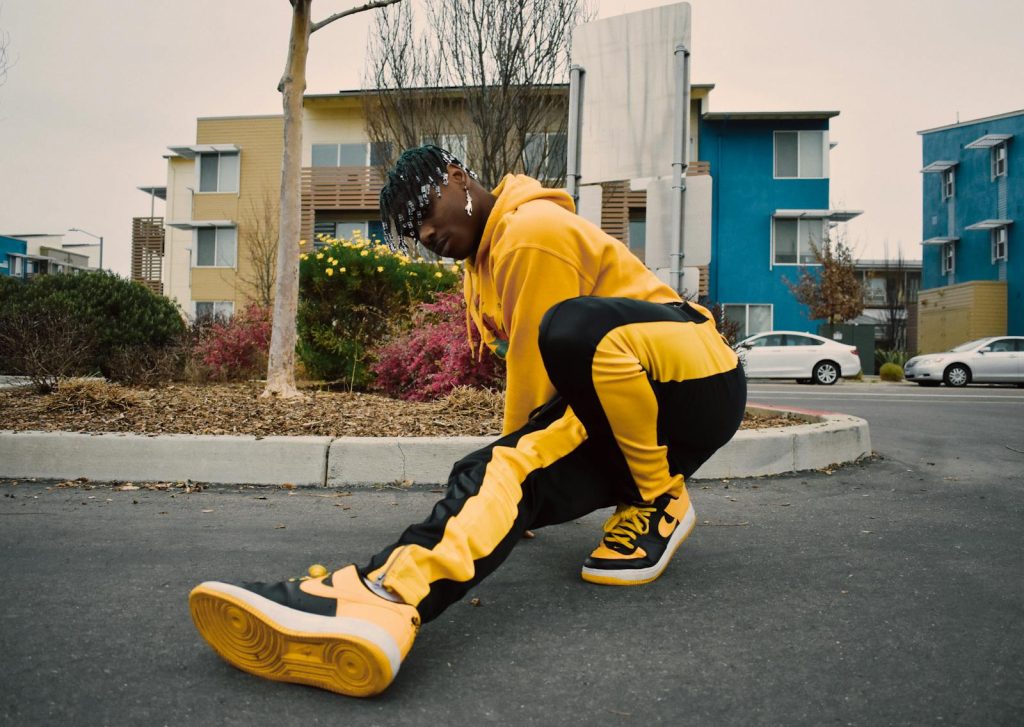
[[996, 360]]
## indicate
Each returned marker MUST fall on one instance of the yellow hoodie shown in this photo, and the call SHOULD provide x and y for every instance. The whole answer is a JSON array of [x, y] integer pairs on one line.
[[536, 252]]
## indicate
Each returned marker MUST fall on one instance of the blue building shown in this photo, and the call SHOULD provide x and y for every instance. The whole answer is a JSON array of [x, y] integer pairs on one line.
[[973, 192], [770, 199], [12, 256]]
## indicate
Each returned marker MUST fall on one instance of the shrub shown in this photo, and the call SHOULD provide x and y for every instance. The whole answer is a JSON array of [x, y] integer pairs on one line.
[[884, 356], [234, 349], [354, 293], [434, 357], [891, 372], [84, 323]]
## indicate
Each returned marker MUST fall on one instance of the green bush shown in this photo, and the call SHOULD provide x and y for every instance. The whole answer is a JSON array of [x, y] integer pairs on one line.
[[895, 356], [61, 325], [352, 295], [891, 372]]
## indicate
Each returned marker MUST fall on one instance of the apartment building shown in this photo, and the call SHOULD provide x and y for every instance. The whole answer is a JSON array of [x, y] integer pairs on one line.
[[765, 178], [973, 193]]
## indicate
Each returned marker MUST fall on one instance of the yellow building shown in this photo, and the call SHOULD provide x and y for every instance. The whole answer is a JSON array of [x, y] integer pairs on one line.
[[213, 251]]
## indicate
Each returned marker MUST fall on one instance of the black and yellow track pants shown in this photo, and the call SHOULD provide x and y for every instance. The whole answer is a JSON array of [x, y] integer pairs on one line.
[[647, 393]]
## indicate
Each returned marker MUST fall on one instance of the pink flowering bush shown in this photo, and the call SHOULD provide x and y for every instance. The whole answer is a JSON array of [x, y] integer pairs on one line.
[[433, 357], [236, 349]]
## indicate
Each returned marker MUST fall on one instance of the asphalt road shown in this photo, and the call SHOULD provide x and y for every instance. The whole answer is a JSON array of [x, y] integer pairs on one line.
[[885, 593]]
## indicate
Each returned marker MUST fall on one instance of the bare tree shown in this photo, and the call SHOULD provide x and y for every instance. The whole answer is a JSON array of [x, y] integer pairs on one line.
[[831, 290], [261, 237], [281, 362], [896, 294], [491, 65]]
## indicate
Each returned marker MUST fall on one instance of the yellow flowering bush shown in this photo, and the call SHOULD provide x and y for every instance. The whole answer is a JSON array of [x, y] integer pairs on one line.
[[352, 295]]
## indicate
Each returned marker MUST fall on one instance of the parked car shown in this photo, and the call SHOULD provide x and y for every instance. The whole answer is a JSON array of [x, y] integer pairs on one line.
[[996, 359], [808, 358]]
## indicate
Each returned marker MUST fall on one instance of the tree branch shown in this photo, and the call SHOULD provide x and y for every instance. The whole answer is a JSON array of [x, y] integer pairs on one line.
[[351, 11]]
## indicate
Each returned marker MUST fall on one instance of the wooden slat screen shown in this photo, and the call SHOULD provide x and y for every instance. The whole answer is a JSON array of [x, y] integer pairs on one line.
[[148, 252], [338, 188]]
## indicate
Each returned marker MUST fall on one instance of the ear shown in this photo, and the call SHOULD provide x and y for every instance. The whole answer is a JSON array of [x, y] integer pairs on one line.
[[457, 175]]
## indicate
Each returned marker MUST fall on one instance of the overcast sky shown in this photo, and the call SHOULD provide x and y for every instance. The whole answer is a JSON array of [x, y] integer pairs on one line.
[[100, 88]]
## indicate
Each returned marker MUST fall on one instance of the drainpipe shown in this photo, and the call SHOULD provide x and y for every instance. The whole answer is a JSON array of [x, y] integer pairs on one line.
[[680, 153], [572, 158]]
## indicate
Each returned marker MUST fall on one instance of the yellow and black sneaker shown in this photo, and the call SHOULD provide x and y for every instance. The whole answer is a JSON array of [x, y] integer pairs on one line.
[[323, 630], [639, 541]]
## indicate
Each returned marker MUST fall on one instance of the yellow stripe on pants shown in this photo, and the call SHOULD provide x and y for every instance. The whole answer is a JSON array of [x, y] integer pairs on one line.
[[485, 519]]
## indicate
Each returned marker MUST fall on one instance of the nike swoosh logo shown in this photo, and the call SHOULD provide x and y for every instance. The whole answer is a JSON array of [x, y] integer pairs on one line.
[[667, 525]]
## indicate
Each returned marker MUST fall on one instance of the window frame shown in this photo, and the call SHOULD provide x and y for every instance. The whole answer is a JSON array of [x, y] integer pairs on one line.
[[948, 256], [237, 180], [1000, 160], [799, 238], [544, 170], [213, 310], [216, 247], [1000, 238], [746, 318], [948, 182], [823, 133]]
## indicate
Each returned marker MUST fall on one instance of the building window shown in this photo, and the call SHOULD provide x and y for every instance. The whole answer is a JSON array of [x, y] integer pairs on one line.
[[948, 183], [751, 318], [350, 155], [794, 239], [638, 232], [457, 144], [218, 172], [216, 247], [1000, 236], [544, 156], [800, 154], [214, 308], [999, 160], [948, 258]]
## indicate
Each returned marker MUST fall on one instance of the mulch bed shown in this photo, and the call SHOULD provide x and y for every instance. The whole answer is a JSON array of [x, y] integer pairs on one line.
[[93, 406]]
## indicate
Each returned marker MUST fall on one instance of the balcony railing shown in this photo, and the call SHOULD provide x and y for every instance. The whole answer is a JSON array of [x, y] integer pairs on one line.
[[338, 188]]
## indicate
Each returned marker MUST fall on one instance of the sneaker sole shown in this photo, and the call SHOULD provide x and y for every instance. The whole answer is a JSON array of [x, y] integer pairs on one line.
[[344, 655], [640, 576]]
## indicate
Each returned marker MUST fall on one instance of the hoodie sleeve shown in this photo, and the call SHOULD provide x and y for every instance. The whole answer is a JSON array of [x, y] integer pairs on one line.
[[529, 281]]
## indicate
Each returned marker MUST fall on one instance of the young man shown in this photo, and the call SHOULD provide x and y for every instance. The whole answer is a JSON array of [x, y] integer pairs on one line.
[[617, 391]]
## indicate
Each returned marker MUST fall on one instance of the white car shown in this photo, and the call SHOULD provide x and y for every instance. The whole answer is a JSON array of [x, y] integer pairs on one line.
[[805, 357], [996, 359]]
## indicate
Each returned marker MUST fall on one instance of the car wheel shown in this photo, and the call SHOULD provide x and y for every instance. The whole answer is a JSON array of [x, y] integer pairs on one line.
[[826, 373], [957, 375]]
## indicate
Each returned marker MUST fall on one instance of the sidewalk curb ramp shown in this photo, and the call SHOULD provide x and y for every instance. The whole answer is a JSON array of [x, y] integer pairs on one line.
[[821, 439]]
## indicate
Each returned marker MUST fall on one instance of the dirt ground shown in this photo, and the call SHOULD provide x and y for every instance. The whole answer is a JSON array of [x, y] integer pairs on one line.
[[94, 406]]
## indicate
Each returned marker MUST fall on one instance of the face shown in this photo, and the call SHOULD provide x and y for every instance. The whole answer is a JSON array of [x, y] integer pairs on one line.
[[446, 229]]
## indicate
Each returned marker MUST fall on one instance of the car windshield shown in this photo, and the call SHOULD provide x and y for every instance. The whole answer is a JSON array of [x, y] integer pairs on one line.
[[968, 346]]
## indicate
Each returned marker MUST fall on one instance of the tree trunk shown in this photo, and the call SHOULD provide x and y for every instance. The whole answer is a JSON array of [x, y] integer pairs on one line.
[[281, 363]]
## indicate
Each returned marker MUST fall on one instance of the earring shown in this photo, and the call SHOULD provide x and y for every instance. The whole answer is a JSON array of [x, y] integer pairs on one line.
[[469, 203]]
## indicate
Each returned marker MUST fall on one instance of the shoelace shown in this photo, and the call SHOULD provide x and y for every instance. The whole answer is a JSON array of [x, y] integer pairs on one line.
[[314, 571], [628, 523]]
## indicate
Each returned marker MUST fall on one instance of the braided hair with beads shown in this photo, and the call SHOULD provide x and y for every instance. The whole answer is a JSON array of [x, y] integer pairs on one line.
[[406, 193]]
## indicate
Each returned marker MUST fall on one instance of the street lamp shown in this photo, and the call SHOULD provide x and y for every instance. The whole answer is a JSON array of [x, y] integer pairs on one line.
[[87, 244]]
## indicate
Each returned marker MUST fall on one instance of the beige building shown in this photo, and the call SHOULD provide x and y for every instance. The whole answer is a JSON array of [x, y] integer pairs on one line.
[[210, 252]]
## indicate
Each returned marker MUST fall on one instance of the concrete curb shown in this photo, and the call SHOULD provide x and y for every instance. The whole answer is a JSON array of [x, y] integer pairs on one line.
[[826, 438]]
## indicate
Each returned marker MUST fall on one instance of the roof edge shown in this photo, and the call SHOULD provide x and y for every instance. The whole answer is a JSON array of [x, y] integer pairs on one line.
[[1007, 115]]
